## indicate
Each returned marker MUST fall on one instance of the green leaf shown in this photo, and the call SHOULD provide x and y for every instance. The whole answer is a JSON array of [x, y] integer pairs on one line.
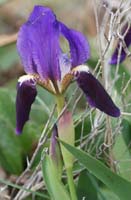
[[54, 185], [86, 188], [117, 184], [124, 75], [10, 150], [86, 130], [8, 56], [13, 148], [107, 195], [3, 1], [122, 155], [35, 193], [126, 131]]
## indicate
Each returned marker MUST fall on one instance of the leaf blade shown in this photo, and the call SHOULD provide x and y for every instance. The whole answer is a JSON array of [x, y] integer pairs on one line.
[[54, 185], [117, 184]]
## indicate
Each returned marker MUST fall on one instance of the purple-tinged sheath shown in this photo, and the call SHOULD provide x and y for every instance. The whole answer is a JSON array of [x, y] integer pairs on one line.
[[66, 133], [55, 152], [53, 143]]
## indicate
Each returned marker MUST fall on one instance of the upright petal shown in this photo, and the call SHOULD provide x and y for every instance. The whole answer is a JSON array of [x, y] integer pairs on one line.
[[79, 46], [94, 91], [65, 65], [38, 43], [127, 40], [26, 93]]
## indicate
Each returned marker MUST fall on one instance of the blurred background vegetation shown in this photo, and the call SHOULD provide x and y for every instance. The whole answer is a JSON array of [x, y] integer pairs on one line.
[[110, 145]]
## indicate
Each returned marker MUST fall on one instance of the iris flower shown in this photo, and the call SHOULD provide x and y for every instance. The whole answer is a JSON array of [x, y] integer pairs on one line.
[[45, 63], [123, 54]]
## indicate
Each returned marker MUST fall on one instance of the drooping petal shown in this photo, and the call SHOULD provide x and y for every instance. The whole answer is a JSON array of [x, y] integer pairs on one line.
[[26, 93], [95, 92], [127, 40], [79, 46], [38, 44]]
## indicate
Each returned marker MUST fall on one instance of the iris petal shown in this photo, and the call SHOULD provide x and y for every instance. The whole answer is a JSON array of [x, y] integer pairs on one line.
[[127, 40], [26, 93], [96, 94], [114, 57], [38, 44], [79, 47]]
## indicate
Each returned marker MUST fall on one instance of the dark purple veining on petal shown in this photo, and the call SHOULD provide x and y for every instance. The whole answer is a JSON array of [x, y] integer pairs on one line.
[[127, 40], [96, 94], [79, 46], [26, 93]]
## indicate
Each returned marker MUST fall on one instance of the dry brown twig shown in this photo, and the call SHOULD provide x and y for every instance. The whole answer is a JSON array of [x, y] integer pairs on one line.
[[7, 39]]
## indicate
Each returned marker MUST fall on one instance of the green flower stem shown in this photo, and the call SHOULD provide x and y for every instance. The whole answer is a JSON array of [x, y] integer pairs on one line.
[[60, 104], [71, 184], [60, 100]]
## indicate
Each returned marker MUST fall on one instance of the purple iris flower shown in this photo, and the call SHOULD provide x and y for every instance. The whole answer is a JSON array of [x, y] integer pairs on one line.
[[45, 63], [127, 40]]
